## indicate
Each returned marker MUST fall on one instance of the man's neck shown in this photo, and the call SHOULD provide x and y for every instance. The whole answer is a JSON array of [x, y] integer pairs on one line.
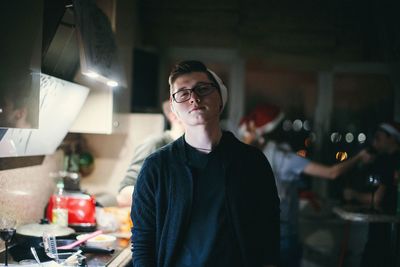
[[203, 138], [176, 131]]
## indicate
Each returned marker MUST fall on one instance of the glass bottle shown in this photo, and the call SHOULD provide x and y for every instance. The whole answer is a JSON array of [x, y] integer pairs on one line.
[[60, 208]]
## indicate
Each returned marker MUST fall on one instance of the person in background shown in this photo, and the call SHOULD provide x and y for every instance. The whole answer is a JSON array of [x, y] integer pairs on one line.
[[206, 199], [14, 109], [262, 127], [150, 145], [385, 168]]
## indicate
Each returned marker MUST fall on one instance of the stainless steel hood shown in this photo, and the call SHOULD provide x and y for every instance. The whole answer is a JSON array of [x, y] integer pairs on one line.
[[60, 50], [78, 36]]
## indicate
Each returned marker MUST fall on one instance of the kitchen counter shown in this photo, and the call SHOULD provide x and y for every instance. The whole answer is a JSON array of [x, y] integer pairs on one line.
[[123, 258], [120, 257]]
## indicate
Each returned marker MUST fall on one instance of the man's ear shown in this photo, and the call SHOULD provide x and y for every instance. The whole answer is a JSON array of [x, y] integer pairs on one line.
[[171, 103]]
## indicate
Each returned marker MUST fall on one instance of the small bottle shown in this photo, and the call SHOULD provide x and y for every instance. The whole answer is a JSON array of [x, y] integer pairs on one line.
[[60, 208]]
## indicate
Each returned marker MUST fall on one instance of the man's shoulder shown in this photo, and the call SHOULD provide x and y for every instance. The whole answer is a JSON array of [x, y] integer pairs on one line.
[[152, 143], [168, 150], [238, 148], [159, 140]]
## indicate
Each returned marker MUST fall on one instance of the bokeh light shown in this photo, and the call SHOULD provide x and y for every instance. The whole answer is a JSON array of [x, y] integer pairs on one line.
[[307, 125], [287, 125], [349, 137], [336, 137], [361, 138], [297, 125], [302, 153], [341, 155]]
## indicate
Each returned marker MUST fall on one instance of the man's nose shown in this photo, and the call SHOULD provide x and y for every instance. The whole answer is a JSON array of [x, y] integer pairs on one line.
[[194, 97]]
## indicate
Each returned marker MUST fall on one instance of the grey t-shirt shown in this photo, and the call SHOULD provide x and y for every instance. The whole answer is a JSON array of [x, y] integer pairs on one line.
[[287, 167], [149, 146]]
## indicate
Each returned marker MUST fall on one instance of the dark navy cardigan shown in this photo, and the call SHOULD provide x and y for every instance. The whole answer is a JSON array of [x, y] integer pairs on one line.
[[162, 203]]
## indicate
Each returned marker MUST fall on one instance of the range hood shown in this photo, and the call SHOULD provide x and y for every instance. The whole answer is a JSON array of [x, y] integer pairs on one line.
[[67, 42], [60, 50], [77, 36]]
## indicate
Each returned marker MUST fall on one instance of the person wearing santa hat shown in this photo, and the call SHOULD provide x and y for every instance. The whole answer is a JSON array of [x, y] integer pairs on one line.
[[386, 167], [262, 128], [206, 199]]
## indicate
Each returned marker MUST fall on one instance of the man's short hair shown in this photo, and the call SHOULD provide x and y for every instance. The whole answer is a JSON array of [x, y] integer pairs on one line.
[[189, 66]]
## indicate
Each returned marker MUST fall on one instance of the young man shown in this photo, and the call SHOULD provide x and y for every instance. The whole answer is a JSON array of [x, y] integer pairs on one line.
[[150, 145], [206, 199]]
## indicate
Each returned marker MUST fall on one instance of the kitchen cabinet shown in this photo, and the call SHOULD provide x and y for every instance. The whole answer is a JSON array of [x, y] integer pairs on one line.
[[98, 114]]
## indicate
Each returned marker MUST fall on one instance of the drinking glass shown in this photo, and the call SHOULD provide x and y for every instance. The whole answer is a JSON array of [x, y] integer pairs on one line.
[[373, 182], [7, 231]]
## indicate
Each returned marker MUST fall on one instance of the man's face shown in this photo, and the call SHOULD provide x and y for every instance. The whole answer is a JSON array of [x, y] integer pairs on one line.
[[198, 110], [382, 142]]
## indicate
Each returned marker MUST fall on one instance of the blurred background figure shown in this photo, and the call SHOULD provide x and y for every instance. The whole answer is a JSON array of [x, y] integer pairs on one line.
[[151, 144], [14, 109], [19, 99], [383, 173], [262, 128]]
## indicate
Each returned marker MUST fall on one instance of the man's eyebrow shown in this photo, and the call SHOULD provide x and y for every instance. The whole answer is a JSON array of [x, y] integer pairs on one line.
[[197, 84], [182, 88]]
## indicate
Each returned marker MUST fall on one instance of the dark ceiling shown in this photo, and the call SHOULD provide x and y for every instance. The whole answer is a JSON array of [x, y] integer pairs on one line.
[[334, 30]]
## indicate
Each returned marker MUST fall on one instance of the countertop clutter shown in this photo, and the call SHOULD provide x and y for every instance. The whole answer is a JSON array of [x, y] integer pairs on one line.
[[117, 255], [108, 245]]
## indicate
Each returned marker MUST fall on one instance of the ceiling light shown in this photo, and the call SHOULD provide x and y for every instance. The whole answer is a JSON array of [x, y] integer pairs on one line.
[[112, 83], [91, 74]]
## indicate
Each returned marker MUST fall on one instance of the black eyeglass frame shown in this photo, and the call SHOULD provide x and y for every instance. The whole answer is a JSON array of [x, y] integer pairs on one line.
[[196, 88]]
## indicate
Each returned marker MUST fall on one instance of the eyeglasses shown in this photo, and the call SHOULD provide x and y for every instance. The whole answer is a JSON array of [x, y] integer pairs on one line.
[[200, 90]]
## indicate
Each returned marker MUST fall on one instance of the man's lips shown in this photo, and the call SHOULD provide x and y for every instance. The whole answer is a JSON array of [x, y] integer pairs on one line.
[[196, 109]]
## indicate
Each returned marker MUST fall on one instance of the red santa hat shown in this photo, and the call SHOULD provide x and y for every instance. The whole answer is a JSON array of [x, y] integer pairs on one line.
[[265, 118], [392, 128]]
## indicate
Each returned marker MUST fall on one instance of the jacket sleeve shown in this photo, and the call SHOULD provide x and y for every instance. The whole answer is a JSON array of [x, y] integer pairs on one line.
[[143, 216], [259, 210], [272, 211]]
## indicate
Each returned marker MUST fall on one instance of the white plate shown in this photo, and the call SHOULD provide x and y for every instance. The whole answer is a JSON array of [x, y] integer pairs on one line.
[[101, 240]]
